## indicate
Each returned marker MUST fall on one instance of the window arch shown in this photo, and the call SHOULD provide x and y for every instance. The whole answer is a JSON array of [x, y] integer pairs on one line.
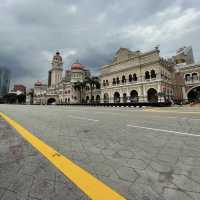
[[194, 76], [130, 78], [187, 77], [153, 73], [134, 77], [118, 81], [114, 81], [147, 75], [123, 79]]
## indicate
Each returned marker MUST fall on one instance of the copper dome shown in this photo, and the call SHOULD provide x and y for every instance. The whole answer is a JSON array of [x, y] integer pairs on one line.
[[76, 66]]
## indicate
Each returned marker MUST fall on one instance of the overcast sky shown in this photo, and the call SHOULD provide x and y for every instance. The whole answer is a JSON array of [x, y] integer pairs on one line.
[[31, 31]]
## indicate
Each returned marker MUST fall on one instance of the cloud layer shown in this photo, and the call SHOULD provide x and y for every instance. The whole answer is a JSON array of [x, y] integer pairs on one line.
[[91, 31]]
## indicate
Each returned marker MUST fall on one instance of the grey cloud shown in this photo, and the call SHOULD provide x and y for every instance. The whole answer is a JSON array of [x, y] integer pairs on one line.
[[89, 30]]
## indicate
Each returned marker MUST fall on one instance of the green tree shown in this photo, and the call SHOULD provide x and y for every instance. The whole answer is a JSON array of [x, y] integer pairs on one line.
[[31, 94], [21, 98], [10, 98], [79, 86], [93, 82]]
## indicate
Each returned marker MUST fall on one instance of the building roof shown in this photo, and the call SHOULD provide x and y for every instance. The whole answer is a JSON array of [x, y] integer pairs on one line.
[[38, 83], [77, 66]]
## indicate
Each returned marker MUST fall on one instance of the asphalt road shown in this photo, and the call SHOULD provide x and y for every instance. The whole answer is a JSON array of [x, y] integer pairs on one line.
[[143, 154]]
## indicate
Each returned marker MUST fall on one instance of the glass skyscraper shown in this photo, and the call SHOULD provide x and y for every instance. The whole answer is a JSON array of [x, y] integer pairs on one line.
[[4, 81]]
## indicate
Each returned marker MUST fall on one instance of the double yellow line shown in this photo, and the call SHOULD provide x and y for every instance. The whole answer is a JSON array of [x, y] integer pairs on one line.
[[91, 186]]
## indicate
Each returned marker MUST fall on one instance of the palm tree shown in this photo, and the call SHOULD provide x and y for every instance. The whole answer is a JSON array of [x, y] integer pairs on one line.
[[79, 86], [92, 81], [21, 98], [31, 94]]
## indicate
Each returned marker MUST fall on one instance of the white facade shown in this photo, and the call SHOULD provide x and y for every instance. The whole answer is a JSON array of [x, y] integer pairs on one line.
[[61, 89], [136, 76], [131, 77], [57, 70]]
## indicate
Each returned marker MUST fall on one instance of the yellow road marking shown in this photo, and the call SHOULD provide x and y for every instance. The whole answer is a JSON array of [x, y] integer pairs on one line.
[[90, 185], [171, 111]]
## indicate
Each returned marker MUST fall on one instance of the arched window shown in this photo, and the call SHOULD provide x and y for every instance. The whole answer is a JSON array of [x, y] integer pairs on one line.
[[147, 75], [114, 81], [134, 77], [187, 77], [104, 83], [107, 83], [123, 79], [194, 76], [130, 78], [118, 81], [153, 74]]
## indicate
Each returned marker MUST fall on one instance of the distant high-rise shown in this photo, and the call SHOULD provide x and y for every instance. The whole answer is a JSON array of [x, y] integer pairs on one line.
[[184, 55], [4, 81]]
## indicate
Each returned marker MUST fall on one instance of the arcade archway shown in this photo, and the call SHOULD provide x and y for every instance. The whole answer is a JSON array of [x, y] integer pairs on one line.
[[97, 99], [116, 97], [194, 94], [134, 96], [106, 98], [152, 95], [51, 101]]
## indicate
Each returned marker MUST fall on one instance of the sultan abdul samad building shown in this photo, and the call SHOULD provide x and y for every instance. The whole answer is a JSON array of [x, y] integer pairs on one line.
[[133, 76]]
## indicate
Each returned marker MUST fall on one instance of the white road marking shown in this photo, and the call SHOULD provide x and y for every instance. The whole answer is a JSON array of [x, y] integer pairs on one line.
[[172, 117], [163, 130], [195, 119], [77, 117], [111, 113]]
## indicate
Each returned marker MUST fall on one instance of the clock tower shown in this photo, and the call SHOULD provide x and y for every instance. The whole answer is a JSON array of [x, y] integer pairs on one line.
[[55, 74]]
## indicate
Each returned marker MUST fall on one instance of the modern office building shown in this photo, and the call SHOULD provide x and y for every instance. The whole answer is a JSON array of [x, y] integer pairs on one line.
[[184, 56], [4, 81]]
